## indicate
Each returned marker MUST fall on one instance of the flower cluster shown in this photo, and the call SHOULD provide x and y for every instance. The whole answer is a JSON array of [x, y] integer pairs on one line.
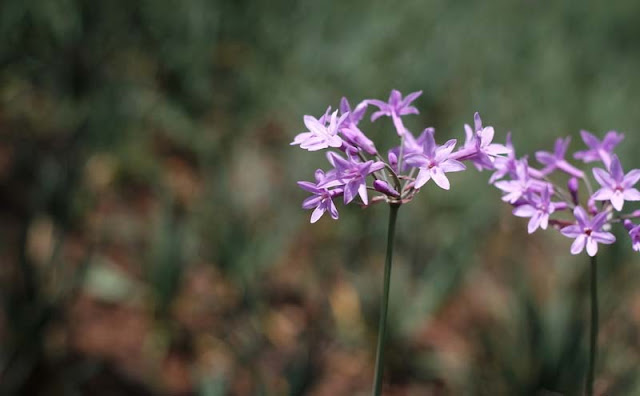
[[535, 194], [402, 172]]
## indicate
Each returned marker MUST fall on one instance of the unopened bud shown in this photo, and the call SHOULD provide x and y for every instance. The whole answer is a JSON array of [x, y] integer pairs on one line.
[[384, 187]]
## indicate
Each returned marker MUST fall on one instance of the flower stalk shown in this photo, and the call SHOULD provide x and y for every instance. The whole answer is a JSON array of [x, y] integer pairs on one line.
[[382, 323], [593, 335]]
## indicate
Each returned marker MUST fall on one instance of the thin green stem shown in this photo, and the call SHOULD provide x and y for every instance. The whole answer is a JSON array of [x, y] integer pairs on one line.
[[593, 336], [382, 324]]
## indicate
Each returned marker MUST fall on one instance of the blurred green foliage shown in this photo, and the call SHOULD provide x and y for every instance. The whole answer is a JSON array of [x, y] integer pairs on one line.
[[151, 234]]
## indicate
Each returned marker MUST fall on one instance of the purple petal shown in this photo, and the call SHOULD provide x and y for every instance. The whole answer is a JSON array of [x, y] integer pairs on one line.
[[611, 139], [631, 194], [603, 194], [534, 223], [317, 214], [312, 188], [429, 144], [617, 200], [545, 158], [442, 152], [440, 178], [350, 191], [578, 245], [599, 220], [592, 246], [603, 237], [590, 140], [422, 178], [410, 98], [378, 114], [631, 178], [311, 202], [581, 216], [524, 211], [603, 178], [615, 168], [362, 190], [333, 211], [408, 110], [486, 136], [572, 231], [477, 121], [451, 165]]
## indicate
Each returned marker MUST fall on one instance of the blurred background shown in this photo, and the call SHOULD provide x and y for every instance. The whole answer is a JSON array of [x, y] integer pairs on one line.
[[151, 235]]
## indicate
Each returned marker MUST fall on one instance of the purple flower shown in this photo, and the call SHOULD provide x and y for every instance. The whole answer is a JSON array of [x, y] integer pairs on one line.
[[616, 186], [411, 146], [634, 233], [479, 146], [588, 232], [352, 174], [520, 186], [434, 161], [538, 208], [322, 198], [395, 108], [320, 136], [599, 150], [555, 160], [349, 128]]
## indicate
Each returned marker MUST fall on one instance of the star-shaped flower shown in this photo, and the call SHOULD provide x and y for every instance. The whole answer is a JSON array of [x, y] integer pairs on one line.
[[616, 186], [555, 160], [599, 150], [538, 208], [434, 161], [479, 147], [395, 108], [322, 198], [352, 174], [588, 232], [349, 128], [320, 136], [520, 186]]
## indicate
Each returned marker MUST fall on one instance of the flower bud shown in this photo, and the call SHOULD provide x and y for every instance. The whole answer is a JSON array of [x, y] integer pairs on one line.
[[384, 187], [573, 186]]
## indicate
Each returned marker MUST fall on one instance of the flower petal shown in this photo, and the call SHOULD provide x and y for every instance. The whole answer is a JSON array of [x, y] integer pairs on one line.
[[572, 231], [631, 194], [439, 178], [422, 178], [362, 191], [603, 194], [578, 245], [581, 216], [631, 178], [317, 214], [592, 246], [617, 200], [524, 211], [603, 178], [534, 223], [603, 237], [452, 165]]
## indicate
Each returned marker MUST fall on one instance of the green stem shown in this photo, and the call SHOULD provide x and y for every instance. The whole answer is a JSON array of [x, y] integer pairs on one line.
[[593, 338], [382, 324]]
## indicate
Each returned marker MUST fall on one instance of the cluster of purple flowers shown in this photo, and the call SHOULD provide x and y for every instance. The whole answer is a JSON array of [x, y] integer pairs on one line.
[[397, 177], [406, 168], [535, 194]]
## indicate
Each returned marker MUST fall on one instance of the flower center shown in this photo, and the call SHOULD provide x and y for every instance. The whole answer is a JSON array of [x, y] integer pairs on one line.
[[588, 231]]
